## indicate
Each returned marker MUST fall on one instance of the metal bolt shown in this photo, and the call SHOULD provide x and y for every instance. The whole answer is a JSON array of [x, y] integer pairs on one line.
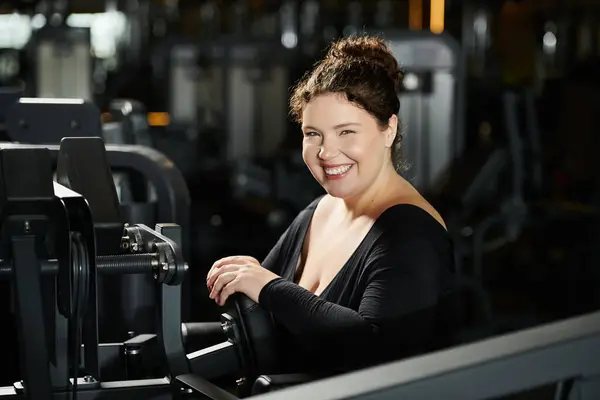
[[165, 266], [88, 379], [227, 327], [26, 227]]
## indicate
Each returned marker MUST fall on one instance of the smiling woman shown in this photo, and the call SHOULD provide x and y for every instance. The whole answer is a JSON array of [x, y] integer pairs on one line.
[[339, 137], [358, 276]]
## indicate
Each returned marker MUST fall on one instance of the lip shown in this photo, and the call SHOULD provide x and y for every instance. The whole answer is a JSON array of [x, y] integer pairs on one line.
[[338, 177], [335, 165]]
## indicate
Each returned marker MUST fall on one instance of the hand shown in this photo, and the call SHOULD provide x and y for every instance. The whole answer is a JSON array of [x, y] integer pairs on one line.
[[241, 274]]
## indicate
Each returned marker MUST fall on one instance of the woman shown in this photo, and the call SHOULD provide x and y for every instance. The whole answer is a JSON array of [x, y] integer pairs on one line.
[[356, 278]]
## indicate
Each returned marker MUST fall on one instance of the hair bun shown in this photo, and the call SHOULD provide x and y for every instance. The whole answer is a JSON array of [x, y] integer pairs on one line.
[[368, 49]]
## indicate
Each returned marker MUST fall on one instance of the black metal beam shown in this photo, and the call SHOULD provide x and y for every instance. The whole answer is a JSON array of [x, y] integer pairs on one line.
[[34, 353], [215, 361], [487, 369]]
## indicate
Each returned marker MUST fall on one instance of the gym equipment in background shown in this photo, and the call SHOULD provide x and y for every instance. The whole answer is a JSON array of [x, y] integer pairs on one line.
[[63, 63], [431, 103], [133, 295], [47, 121], [161, 195], [234, 90], [9, 95], [130, 123]]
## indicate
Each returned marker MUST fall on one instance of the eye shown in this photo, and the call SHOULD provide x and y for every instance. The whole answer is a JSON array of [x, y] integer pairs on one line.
[[310, 134], [346, 132]]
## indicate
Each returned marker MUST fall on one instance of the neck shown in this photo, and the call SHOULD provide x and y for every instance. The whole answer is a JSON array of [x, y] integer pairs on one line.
[[371, 200]]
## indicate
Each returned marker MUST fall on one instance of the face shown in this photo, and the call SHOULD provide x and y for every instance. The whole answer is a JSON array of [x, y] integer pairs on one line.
[[344, 147]]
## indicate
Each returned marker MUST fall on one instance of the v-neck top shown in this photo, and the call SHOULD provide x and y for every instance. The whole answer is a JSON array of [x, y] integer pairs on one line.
[[381, 305]]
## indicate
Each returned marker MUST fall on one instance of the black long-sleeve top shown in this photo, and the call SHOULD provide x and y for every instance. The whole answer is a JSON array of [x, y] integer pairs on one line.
[[382, 304]]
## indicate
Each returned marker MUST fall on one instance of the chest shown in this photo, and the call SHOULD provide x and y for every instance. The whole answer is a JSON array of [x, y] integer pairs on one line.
[[326, 251]]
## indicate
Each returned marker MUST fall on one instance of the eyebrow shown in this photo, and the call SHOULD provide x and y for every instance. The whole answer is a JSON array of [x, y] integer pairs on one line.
[[338, 126]]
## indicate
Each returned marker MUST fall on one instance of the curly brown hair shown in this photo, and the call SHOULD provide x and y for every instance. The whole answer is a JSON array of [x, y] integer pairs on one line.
[[363, 69]]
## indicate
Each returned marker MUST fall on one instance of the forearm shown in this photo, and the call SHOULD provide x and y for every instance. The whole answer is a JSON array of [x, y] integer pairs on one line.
[[326, 337], [304, 313]]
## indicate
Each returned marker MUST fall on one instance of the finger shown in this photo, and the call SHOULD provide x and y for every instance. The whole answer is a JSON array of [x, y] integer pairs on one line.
[[218, 272], [221, 282], [227, 291], [219, 264], [233, 260]]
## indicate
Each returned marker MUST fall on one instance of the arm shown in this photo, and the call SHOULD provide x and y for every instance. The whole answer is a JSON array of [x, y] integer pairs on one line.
[[401, 290]]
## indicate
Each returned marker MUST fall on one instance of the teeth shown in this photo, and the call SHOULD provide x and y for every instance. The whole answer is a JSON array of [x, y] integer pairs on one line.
[[337, 170]]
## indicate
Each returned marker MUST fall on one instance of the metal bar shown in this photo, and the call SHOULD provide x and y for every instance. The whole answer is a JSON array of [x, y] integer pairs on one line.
[[145, 389], [170, 338], [487, 369], [169, 314], [106, 265], [32, 329], [215, 361], [89, 329]]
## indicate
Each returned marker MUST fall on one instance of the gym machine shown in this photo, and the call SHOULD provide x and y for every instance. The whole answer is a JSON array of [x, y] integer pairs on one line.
[[149, 189], [432, 103], [563, 355], [228, 83], [172, 205], [51, 252], [63, 64], [28, 120], [128, 122]]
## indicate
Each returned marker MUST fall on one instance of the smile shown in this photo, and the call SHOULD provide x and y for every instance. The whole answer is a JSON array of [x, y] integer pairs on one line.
[[337, 171]]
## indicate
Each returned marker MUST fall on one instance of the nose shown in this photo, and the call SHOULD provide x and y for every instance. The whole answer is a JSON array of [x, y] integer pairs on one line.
[[328, 150]]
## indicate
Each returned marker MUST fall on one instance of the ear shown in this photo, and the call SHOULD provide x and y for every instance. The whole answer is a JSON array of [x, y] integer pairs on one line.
[[391, 131]]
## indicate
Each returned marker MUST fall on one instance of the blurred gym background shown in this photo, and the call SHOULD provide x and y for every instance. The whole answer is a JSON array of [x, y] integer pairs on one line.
[[501, 102]]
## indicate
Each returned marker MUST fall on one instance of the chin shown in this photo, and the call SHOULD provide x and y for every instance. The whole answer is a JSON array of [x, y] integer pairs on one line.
[[339, 192]]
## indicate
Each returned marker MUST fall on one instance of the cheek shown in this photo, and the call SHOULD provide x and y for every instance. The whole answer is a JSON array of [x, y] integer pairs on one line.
[[310, 154], [367, 153], [357, 150]]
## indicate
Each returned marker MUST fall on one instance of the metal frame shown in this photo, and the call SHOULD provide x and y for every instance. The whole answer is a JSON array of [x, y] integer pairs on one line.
[[31, 202], [488, 369], [173, 198]]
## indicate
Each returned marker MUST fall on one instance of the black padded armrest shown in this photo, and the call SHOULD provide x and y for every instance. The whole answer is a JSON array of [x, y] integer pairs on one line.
[[204, 387], [269, 383]]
